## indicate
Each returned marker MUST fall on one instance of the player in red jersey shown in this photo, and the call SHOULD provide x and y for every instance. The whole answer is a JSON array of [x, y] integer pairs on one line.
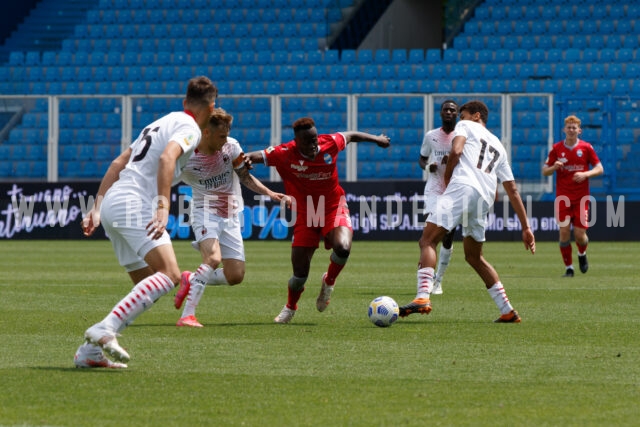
[[571, 159], [309, 171]]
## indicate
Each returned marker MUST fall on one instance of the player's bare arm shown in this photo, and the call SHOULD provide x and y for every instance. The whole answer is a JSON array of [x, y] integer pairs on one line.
[[516, 202], [423, 162], [597, 170], [91, 221], [254, 157], [381, 140], [457, 146], [549, 170], [166, 170], [255, 185]]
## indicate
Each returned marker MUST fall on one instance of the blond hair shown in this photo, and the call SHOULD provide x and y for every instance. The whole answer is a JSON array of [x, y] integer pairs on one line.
[[572, 119]]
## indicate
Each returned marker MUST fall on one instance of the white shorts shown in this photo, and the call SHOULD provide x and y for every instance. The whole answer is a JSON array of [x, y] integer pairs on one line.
[[430, 201], [124, 218], [226, 230], [462, 204]]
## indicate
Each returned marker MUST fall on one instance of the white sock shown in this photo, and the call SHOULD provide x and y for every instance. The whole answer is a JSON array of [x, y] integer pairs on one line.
[[443, 262], [425, 282], [140, 299], [499, 296], [193, 299], [208, 276]]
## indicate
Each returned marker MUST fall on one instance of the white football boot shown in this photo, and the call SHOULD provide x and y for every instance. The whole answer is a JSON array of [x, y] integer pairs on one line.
[[99, 335], [285, 315], [91, 356]]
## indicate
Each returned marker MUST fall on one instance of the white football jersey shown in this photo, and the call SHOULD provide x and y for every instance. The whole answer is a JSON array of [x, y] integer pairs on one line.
[[140, 176], [435, 145], [214, 183], [483, 161]]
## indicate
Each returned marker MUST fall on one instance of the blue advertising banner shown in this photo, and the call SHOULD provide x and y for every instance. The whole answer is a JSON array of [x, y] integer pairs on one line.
[[380, 210]]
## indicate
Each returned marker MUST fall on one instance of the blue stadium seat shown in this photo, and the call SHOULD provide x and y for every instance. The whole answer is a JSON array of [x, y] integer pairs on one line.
[[484, 56], [625, 135], [491, 70], [603, 55], [603, 86], [382, 56], [632, 70], [614, 41], [473, 27], [480, 86], [367, 170], [624, 55], [596, 41], [568, 86], [38, 169], [487, 42], [399, 56], [22, 169], [550, 85], [433, 56], [508, 71], [461, 42], [544, 70], [633, 10], [596, 71], [364, 56], [606, 27], [561, 71], [404, 71], [526, 71], [331, 57], [387, 169], [578, 71], [622, 87], [502, 56]]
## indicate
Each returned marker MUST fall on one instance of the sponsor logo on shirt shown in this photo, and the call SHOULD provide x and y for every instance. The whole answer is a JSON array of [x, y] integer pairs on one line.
[[316, 176], [301, 167], [215, 181]]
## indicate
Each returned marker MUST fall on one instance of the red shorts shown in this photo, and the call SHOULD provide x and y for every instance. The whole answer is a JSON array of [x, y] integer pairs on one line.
[[575, 212], [309, 235]]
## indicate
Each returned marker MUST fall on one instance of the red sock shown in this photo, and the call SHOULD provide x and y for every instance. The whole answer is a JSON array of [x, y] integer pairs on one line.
[[566, 254], [293, 297], [332, 273], [582, 248]]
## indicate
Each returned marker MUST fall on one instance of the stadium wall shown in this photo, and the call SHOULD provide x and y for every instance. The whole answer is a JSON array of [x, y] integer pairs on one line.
[[422, 26], [13, 14], [383, 210]]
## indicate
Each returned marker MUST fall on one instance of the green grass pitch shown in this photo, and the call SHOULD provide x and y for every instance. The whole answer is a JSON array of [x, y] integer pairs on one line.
[[573, 361]]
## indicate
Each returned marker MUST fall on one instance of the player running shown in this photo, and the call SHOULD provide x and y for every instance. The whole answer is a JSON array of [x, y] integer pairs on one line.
[[214, 172], [476, 162], [308, 167], [133, 206]]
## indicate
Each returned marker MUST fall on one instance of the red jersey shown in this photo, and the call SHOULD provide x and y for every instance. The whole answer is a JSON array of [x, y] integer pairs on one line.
[[575, 159], [302, 177]]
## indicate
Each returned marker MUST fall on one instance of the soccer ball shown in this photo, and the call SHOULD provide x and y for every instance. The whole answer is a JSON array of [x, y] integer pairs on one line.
[[383, 311]]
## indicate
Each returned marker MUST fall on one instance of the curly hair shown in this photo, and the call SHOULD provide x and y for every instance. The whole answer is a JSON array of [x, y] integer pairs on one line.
[[305, 123], [476, 107]]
